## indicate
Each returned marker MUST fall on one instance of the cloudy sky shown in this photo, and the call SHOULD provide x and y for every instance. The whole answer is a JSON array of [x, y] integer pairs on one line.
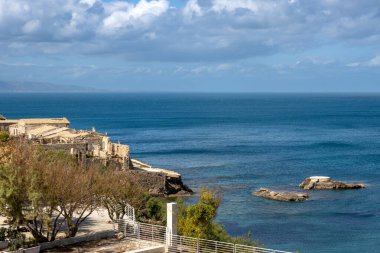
[[193, 45]]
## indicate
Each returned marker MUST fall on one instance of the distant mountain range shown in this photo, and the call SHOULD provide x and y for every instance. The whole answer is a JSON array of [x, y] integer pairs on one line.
[[36, 87]]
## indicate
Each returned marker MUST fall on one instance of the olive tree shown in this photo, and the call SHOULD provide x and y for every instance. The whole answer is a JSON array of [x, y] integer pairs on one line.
[[49, 191]]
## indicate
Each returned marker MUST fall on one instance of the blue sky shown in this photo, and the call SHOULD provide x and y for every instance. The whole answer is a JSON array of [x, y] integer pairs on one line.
[[193, 45]]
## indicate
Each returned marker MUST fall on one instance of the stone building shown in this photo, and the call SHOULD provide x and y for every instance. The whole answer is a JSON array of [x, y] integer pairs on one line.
[[5, 123], [23, 126], [54, 133], [81, 143]]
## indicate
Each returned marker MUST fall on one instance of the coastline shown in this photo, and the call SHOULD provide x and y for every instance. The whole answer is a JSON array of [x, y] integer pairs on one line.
[[240, 143]]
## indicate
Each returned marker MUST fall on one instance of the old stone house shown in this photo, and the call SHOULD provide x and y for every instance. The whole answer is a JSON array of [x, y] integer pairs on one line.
[[23, 126]]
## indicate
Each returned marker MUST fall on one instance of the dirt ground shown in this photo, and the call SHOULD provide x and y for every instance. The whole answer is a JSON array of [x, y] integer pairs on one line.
[[97, 221], [101, 246]]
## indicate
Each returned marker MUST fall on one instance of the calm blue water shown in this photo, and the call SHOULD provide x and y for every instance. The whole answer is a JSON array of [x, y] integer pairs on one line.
[[240, 142]]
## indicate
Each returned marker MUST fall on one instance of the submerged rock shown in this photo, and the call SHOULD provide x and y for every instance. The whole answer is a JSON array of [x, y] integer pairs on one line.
[[281, 196], [325, 183]]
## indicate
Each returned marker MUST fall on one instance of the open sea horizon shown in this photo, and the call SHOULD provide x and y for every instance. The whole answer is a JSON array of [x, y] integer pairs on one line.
[[236, 143]]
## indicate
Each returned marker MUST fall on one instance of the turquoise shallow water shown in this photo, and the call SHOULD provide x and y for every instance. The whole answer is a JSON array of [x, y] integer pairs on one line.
[[237, 143]]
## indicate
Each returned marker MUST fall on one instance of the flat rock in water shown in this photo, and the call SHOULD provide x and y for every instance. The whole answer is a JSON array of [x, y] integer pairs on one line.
[[325, 183], [281, 196]]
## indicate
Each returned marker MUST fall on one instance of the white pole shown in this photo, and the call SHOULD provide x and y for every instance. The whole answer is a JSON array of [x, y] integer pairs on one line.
[[171, 221]]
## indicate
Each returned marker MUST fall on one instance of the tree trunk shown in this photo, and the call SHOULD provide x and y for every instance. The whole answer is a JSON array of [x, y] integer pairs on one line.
[[37, 235], [71, 231]]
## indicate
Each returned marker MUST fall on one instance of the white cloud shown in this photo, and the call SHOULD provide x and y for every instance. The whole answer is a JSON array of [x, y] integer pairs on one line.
[[353, 64], [88, 2], [141, 14], [31, 26], [200, 69], [227, 5], [192, 9], [201, 30], [224, 67], [374, 62]]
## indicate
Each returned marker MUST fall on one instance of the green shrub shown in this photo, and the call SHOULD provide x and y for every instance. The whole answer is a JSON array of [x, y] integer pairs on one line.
[[198, 220], [3, 232], [155, 209], [4, 136], [245, 239], [16, 239]]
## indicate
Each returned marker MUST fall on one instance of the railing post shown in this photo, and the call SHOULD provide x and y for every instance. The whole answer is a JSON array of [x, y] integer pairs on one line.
[[180, 244], [124, 227], [152, 234], [171, 221], [197, 245], [138, 231], [168, 237]]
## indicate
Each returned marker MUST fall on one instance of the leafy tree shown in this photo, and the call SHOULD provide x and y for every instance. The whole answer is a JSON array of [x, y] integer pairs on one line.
[[14, 181], [45, 190], [13, 192], [198, 220], [61, 187], [118, 192]]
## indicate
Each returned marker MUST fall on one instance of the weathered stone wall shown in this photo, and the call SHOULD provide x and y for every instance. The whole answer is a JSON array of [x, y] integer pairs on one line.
[[4, 126], [80, 147], [154, 183], [81, 151], [158, 184], [119, 150]]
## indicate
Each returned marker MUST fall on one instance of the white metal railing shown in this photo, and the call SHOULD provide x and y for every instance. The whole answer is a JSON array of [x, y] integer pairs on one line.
[[147, 233], [127, 210], [244, 249], [130, 212], [150, 234]]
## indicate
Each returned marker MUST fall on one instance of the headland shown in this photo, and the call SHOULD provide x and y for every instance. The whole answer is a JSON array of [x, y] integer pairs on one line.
[[90, 146]]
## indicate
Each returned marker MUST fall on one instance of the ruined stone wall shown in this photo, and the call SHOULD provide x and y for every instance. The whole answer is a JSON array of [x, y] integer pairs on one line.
[[82, 151], [94, 145], [120, 150], [158, 184], [80, 147], [154, 183], [5, 126]]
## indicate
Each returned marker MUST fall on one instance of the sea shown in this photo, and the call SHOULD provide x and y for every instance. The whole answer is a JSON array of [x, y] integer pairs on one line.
[[237, 143]]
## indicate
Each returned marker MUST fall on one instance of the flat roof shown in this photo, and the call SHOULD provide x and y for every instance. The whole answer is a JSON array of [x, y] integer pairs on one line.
[[45, 121], [8, 121]]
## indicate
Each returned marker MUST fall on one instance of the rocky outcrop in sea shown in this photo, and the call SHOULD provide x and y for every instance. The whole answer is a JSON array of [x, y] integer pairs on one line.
[[325, 183], [281, 196]]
